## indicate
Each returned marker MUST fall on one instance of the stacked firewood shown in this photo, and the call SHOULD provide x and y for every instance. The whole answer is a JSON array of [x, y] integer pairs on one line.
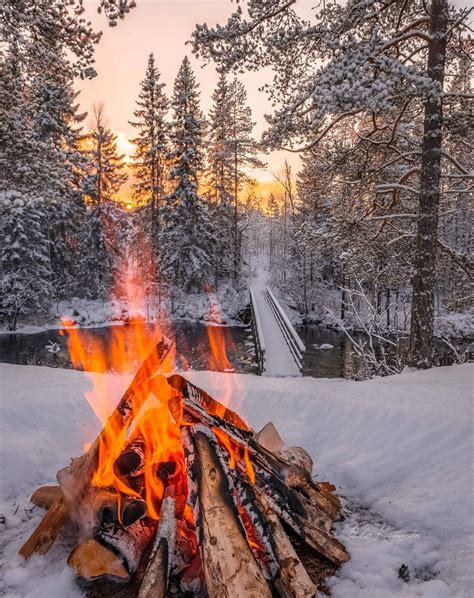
[[241, 518]]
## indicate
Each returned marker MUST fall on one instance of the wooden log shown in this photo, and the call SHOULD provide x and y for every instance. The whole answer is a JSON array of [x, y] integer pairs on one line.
[[155, 581], [99, 506], [123, 545], [131, 461], [45, 496], [82, 469], [269, 438], [295, 455], [317, 538], [300, 480], [91, 560], [229, 565], [293, 579]]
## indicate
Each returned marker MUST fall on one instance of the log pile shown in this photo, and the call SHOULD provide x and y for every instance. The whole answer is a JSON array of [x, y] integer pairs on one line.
[[242, 518]]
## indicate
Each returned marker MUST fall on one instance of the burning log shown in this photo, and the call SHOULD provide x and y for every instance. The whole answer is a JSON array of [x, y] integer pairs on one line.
[[81, 470], [100, 506], [155, 581], [131, 462], [119, 553], [206, 402], [228, 561]]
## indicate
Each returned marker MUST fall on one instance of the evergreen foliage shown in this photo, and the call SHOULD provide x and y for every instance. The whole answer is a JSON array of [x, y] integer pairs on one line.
[[187, 239]]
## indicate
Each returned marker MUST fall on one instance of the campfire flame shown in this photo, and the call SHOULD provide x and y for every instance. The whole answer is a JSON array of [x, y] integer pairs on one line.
[[157, 416]]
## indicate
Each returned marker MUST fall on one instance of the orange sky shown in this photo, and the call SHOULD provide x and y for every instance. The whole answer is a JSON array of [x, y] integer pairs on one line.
[[163, 27]]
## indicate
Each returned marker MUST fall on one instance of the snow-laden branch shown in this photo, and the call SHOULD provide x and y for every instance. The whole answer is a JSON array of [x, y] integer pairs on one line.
[[386, 187], [323, 133]]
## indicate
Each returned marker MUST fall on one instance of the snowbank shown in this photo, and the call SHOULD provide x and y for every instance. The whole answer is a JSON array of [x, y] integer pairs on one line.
[[400, 450]]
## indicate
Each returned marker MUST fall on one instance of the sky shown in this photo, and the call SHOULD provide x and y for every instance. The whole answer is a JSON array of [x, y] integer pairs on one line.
[[163, 27]]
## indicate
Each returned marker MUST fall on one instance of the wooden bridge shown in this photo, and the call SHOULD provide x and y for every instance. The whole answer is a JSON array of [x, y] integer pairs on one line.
[[279, 349]]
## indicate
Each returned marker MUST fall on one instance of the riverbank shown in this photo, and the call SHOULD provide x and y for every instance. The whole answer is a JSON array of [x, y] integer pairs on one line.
[[399, 450], [223, 308]]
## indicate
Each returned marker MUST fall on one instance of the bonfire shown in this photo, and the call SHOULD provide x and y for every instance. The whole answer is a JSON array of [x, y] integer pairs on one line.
[[178, 496]]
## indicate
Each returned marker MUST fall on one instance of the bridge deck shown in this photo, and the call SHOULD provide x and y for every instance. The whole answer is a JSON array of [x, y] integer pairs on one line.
[[278, 358]]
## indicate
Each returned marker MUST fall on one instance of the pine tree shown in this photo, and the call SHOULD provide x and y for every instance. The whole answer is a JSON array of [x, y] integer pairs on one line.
[[56, 128], [150, 160], [25, 271], [220, 178], [187, 236], [105, 176]]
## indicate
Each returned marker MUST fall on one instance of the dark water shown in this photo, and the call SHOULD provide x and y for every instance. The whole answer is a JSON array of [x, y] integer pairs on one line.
[[192, 342], [338, 362], [194, 351]]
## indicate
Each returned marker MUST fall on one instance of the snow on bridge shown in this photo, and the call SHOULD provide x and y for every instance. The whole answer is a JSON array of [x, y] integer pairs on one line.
[[278, 346]]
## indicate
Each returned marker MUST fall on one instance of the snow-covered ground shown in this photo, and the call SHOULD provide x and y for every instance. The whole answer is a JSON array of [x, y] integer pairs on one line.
[[399, 449]]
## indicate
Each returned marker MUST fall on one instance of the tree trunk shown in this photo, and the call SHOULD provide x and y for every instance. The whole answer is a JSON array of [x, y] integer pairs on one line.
[[422, 313]]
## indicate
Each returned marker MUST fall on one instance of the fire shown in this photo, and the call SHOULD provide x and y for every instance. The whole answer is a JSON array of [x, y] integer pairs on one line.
[[157, 409], [219, 360], [235, 451], [157, 417]]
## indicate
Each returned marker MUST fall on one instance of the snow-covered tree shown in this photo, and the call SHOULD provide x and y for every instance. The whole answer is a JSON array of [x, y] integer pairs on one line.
[[37, 26], [25, 267], [105, 176], [56, 127], [220, 180], [151, 157], [187, 238], [232, 152]]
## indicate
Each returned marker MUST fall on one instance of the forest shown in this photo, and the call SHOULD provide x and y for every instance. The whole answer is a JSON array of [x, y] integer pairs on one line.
[[373, 232]]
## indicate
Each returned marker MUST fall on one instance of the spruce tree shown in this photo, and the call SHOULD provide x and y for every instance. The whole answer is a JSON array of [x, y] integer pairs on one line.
[[244, 151], [150, 160], [232, 151], [187, 238], [104, 178], [56, 128], [25, 272], [220, 178]]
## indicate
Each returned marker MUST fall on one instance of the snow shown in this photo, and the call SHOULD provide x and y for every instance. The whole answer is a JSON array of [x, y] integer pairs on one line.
[[89, 313], [326, 347], [278, 358], [399, 449]]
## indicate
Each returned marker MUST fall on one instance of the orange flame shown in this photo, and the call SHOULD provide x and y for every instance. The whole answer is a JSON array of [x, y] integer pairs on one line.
[[156, 409], [234, 451], [219, 360], [157, 418]]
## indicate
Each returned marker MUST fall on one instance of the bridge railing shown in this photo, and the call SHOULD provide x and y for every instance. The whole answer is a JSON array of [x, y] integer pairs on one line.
[[292, 338], [257, 332]]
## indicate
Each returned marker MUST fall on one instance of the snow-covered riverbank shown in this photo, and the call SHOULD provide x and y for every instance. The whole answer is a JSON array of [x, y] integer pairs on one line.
[[222, 308], [399, 449]]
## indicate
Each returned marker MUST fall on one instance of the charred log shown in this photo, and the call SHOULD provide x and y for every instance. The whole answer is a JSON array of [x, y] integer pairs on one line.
[[229, 564]]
